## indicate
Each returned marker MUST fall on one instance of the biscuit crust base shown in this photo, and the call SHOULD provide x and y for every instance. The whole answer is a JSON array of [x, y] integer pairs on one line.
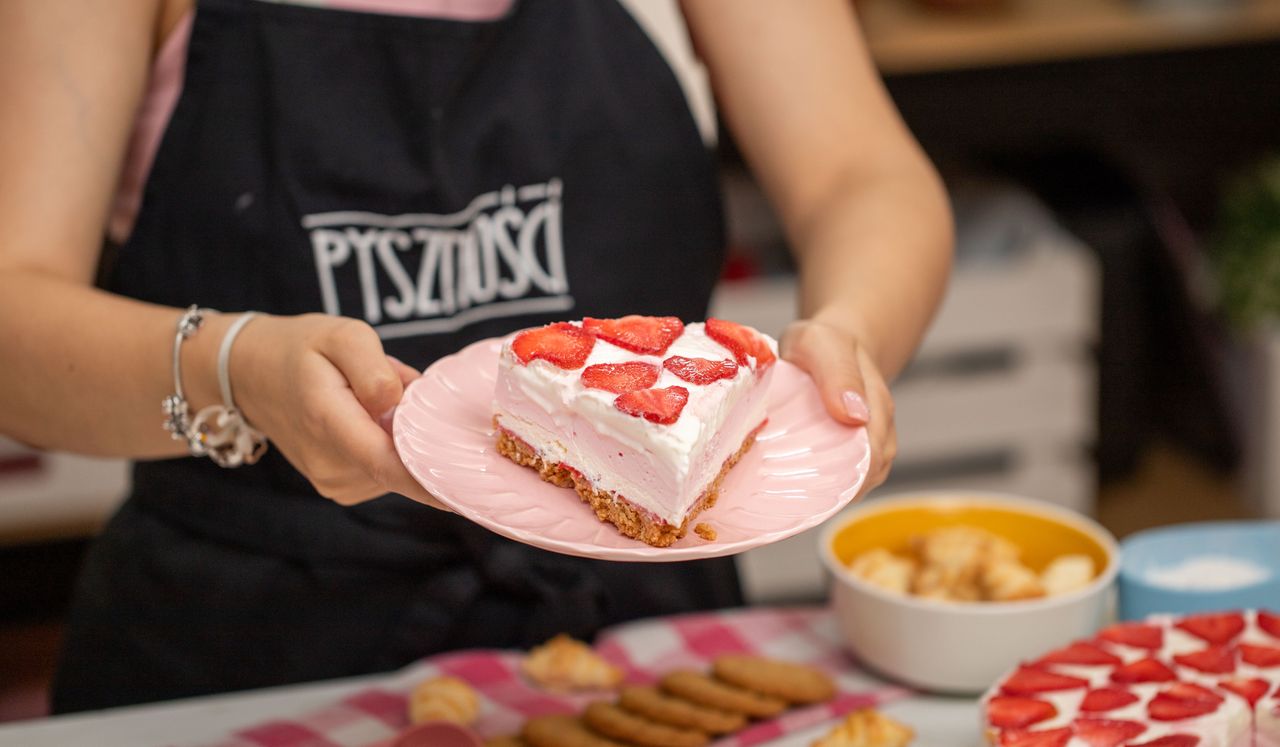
[[630, 520]]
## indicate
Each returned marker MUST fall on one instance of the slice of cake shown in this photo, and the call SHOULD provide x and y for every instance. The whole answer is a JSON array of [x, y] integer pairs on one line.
[[643, 416]]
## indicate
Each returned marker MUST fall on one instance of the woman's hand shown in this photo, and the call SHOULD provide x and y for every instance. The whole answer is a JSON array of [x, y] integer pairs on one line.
[[852, 387], [318, 387]]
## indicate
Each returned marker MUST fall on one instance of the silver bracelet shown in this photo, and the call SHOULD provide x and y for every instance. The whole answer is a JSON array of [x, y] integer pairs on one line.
[[218, 431], [225, 434], [177, 413]]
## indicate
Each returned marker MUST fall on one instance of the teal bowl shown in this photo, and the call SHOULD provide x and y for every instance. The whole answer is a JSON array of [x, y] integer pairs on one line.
[[1150, 580]]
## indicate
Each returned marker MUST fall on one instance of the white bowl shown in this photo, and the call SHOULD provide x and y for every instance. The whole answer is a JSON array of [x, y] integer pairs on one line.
[[962, 647]]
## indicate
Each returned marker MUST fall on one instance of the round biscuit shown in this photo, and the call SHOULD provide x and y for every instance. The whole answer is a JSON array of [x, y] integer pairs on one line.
[[562, 731], [656, 705], [706, 691], [612, 721], [794, 683]]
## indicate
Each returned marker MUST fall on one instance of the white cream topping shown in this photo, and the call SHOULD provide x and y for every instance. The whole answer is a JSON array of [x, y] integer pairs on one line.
[[1227, 726], [661, 468], [1232, 724]]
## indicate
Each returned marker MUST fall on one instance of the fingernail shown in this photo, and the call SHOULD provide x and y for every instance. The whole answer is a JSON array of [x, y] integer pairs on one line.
[[387, 419], [856, 406]]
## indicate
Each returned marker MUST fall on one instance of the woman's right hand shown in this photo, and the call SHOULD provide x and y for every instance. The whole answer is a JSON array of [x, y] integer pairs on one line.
[[318, 387]]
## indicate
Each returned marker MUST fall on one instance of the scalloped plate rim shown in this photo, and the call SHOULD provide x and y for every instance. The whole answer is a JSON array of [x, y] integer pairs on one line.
[[422, 469]]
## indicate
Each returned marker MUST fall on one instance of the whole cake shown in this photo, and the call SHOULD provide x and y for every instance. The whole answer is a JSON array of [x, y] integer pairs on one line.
[[642, 416], [1207, 680]]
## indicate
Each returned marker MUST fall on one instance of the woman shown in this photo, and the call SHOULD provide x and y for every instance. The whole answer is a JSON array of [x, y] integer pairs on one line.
[[428, 182]]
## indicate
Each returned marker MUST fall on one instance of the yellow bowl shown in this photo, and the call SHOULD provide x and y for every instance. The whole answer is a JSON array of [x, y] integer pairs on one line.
[[962, 647]]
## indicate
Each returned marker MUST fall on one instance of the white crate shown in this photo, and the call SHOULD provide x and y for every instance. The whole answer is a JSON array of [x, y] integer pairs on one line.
[[1001, 396]]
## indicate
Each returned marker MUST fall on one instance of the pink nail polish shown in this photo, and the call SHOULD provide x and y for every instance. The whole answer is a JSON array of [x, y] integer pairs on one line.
[[856, 406], [386, 420]]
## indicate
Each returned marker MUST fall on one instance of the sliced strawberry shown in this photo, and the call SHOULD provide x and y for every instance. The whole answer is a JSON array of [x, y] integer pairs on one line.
[[1192, 692], [1214, 660], [1012, 712], [661, 406], [1081, 652], [1099, 732], [1173, 740], [1138, 635], [562, 344], [700, 370], [1217, 628], [741, 341], [1143, 670], [1251, 690], [1183, 700], [1050, 738], [1031, 681], [1107, 699], [1165, 708], [1270, 622], [1260, 656], [620, 377], [647, 335]]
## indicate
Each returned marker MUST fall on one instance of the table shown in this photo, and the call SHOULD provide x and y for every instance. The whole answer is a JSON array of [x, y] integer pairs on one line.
[[662, 644], [939, 722]]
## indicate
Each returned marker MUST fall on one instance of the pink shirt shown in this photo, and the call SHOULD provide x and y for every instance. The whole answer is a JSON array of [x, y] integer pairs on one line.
[[165, 85]]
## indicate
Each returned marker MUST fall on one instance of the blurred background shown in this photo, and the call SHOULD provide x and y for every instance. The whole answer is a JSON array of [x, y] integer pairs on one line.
[[1111, 337]]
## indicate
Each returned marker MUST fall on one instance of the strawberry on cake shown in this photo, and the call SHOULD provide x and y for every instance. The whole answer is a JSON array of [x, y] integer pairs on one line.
[[1207, 680], [642, 416]]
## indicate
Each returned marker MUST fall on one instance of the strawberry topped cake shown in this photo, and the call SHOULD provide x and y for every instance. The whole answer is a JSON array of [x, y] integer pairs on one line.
[[1207, 680], [642, 416]]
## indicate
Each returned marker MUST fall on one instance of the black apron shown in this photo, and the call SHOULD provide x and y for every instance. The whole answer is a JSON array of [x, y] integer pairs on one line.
[[445, 181]]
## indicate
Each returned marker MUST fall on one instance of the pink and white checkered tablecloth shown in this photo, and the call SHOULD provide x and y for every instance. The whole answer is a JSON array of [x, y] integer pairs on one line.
[[645, 649]]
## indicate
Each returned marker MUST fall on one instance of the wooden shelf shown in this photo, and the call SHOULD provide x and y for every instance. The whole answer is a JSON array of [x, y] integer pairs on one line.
[[906, 38]]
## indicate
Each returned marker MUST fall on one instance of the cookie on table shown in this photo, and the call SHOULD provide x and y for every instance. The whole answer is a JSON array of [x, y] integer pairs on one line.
[[712, 693], [566, 665], [867, 728], [655, 705], [443, 699], [794, 683], [612, 721], [562, 731]]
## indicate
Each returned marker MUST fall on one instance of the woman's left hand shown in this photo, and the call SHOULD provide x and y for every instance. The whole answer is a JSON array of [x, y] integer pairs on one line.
[[852, 387]]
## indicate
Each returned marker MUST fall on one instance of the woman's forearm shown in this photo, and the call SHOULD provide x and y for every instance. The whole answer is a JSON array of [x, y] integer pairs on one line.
[[85, 370], [863, 209], [874, 261]]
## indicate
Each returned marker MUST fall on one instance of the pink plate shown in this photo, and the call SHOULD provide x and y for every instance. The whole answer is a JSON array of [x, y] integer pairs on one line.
[[803, 468]]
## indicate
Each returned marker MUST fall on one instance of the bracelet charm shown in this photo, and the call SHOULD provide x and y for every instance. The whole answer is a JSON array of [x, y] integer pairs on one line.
[[224, 433], [218, 431]]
